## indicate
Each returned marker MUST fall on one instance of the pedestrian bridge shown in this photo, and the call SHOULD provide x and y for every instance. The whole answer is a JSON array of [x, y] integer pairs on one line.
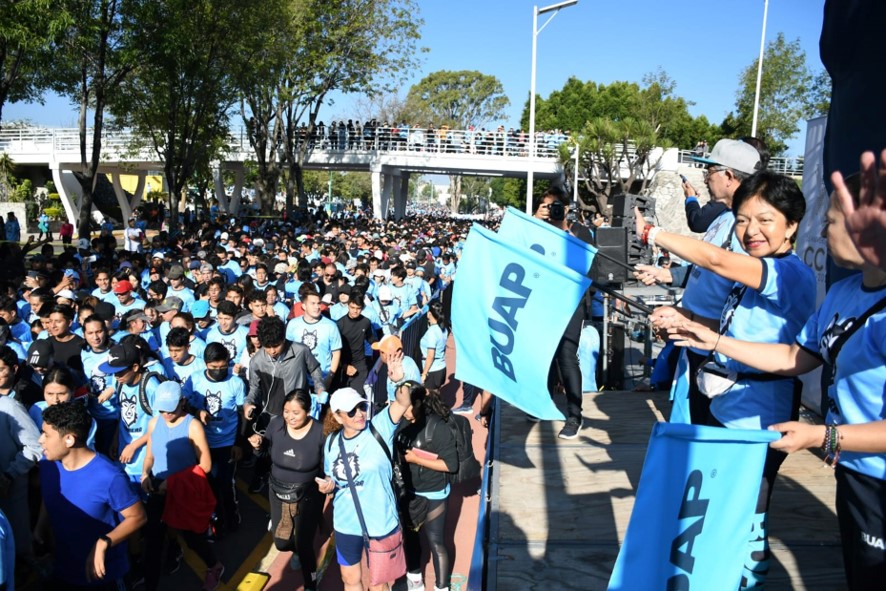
[[391, 155]]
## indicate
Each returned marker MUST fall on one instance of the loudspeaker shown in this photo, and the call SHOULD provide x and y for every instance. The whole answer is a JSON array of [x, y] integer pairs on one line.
[[613, 244], [623, 209]]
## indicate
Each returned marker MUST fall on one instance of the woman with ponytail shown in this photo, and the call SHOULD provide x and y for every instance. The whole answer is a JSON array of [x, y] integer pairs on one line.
[[433, 347], [427, 455]]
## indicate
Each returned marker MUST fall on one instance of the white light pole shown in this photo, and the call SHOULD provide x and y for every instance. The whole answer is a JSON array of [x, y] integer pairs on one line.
[[759, 70], [554, 8]]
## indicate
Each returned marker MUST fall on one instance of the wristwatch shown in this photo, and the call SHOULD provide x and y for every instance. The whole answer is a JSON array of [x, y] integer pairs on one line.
[[106, 540]]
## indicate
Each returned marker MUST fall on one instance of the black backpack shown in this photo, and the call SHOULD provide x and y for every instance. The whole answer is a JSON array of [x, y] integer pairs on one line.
[[468, 466]]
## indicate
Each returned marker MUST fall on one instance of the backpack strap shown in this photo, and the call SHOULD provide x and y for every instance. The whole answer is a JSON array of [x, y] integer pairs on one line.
[[381, 442]]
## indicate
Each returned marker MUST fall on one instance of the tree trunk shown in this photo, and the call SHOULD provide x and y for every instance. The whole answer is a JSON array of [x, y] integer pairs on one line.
[[267, 184], [454, 192], [174, 196]]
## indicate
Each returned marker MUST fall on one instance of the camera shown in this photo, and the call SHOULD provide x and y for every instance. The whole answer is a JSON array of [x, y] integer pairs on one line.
[[557, 211]]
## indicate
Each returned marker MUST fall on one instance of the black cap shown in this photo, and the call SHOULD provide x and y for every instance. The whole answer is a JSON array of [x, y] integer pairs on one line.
[[104, 310], [120, 357], [40, 353]]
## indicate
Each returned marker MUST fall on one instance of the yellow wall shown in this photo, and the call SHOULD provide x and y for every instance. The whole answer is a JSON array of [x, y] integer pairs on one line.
[[130, 181]]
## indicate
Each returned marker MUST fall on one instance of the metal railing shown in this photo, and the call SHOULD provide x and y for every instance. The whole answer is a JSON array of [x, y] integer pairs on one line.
[[791, 165], [366, 139]]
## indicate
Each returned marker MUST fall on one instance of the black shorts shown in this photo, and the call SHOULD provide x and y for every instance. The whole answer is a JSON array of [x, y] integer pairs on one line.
[[435, 379], [860, 511]]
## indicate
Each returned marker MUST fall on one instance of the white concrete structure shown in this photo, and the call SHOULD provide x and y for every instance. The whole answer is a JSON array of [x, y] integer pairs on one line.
[[390, 162]]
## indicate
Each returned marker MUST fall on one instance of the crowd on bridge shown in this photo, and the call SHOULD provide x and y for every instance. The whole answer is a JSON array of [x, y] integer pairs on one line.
[[137, 376], [352, 135]]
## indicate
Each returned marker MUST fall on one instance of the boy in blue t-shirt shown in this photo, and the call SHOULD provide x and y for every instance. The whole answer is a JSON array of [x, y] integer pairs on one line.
[[218, 397], [227, 332], [317, 333], [92, 508], [125, 363]]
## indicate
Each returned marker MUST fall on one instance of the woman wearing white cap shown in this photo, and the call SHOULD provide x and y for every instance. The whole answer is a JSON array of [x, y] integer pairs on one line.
[[362, 456]]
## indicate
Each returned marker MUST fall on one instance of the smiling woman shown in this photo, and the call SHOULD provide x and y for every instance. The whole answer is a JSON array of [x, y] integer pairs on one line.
[[773, 295]]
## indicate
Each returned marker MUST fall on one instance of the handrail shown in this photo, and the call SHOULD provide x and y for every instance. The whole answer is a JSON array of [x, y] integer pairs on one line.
[[788, 165], [367, 139], [477, 570]]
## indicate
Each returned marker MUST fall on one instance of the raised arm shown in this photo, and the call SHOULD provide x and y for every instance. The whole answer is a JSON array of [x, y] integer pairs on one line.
[[866, 222], [733, 266]]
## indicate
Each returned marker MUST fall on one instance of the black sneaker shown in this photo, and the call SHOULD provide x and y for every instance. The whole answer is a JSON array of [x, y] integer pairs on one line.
[[570, 429]]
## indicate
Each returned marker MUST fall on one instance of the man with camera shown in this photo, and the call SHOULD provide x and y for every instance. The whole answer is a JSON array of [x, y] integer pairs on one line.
[[552, 209]]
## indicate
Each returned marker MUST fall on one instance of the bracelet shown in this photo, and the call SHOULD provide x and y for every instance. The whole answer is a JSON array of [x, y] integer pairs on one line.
[[831, 445], [650, 238], [644, 237]]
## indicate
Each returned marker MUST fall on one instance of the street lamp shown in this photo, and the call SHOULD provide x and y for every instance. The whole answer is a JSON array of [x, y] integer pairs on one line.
[[759, 70], [553, 8]]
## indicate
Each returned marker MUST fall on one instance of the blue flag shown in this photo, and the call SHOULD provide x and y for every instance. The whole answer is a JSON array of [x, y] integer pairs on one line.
[[510, 306], [680, 391], [694, 509], [520, 229]]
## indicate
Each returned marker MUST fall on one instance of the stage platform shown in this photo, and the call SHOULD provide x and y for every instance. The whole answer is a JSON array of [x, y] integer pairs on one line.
[[560, 508]]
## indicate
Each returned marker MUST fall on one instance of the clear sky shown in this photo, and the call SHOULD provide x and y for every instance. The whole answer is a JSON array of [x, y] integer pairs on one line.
[[702, 44]]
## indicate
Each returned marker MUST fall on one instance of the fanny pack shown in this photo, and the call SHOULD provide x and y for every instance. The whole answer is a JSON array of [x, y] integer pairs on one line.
[[714, 379], [287, 491]]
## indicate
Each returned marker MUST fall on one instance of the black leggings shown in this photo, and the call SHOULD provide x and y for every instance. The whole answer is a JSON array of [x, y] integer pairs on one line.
[[304, 526], [434, 527], [566, 361], [155, 536]]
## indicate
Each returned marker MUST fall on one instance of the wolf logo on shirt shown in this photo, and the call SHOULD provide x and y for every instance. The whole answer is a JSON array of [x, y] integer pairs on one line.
[[729, 307], [213, 402], [309, 339], [231, 346], [338, 467], [97, 384], [834, 330], [128, 410]]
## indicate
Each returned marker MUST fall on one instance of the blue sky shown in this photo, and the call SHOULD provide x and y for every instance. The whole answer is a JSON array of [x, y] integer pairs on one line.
[[702, 45]]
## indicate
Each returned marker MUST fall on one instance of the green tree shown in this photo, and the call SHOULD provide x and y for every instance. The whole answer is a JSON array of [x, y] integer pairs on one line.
[[459, 100], [613, 155], [90, 67], [181, 95], [350, 46], [27, 28], [788, 94], [509, 192], [616, 128]]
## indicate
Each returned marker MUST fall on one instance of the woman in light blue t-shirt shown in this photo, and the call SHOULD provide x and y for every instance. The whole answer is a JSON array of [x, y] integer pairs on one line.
[[773, 295], [433, 347], [854, 433], [359, 450]]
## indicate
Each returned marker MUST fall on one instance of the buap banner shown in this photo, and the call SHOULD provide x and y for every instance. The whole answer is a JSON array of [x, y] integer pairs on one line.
[[510, 306], [694, 509], [680, 390], [563, 248]]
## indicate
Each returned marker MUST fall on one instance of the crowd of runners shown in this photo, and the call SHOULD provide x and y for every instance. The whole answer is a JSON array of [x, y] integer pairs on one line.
[[137, 375]]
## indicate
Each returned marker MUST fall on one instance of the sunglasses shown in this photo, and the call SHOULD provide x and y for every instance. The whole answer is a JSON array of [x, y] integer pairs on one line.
[[363, 407]]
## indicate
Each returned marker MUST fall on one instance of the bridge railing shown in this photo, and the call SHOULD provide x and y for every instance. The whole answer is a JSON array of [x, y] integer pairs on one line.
[[367, 139], [791, 165]]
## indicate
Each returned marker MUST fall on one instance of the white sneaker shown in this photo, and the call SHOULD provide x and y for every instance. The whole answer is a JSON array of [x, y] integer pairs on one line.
[[414, 582]]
